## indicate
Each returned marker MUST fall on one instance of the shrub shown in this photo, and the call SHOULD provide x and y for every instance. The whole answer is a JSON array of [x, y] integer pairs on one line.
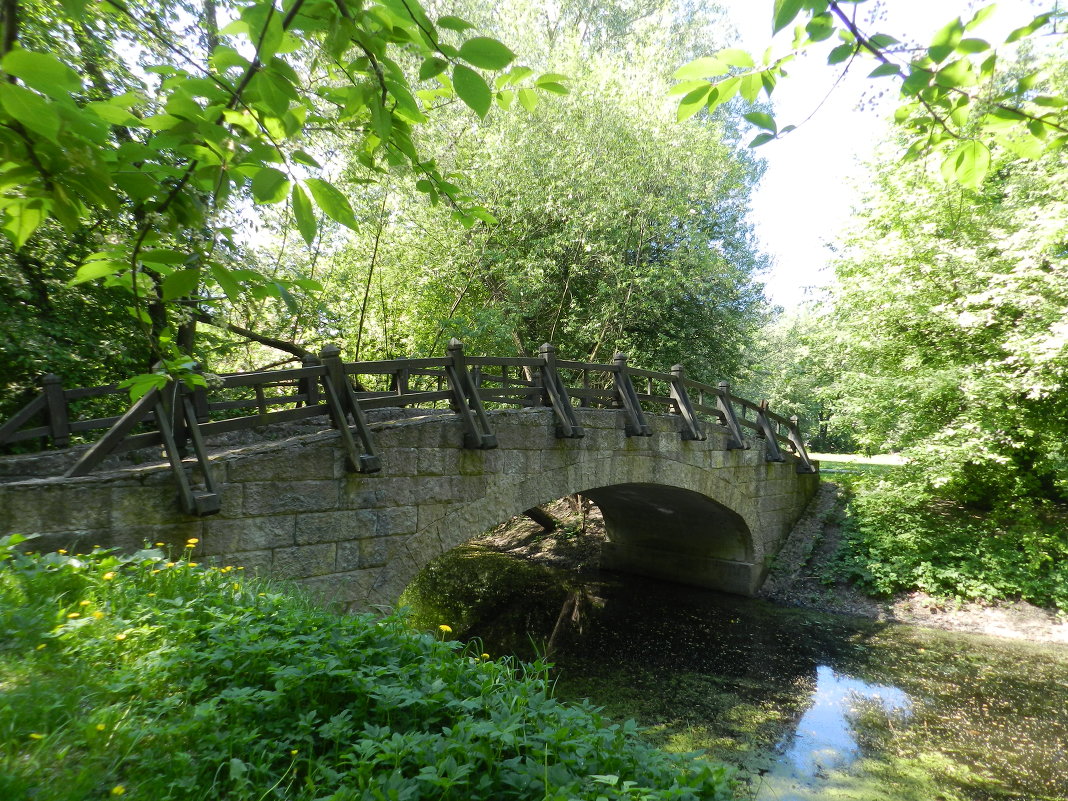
[[163, 680]]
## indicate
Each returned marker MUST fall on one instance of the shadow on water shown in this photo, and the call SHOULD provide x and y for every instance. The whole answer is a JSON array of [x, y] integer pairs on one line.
[[812, 706]]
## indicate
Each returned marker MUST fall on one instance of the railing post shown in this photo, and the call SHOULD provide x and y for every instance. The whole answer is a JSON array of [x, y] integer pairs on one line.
[[56, 409], [342, 401], [309, 387], [567, 424], [726, 408], [692, 426], [772, 450], [636, 425], [806, 465], [204, 502], [466, 402]]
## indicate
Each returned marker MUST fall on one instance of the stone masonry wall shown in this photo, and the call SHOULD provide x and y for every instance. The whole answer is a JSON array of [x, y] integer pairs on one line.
[[290, 510]]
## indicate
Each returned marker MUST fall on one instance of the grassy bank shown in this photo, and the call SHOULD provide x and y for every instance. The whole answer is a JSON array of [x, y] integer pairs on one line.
[[149, 678], [899, 535]]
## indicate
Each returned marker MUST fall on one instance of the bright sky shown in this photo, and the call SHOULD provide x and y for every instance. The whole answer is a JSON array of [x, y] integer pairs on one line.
[[805, 196]]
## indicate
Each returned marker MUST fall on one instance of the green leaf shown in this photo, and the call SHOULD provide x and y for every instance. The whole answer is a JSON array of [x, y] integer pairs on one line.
[[841, 53], [334, 204], [762, 120], [229, 285], [432, 67], [946, 40], [162, 256], [113, 114], [454, 23], [967, 164], [555, 88], [707, 67], [973, 46], [92, 270], [43, 72], [885, 69], [270, 186], [1027, 30], [301, 157], [302, 212], [22, 218], [761, 139], [180, 284], [31, 110], [528, 99], [486, 53], [735, 58], [693, 102], [784, 13], [472, 89], [141, 385], [882, 41], [980, 15]]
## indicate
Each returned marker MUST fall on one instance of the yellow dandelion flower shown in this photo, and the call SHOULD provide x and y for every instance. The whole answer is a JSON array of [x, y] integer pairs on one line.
[[192, 541], [36, 736], [42, 646], [485, 656], [159, 544], [73, 615], [445, 629], [294, 752], [261, 595], [150, 595], [154, 572], [120, 636], [98, 614], [170, 564], [61, 550], [109, 575], [118, 789], [194, 564], [240, 567], [100, 727], [236, 586], [84, 603]]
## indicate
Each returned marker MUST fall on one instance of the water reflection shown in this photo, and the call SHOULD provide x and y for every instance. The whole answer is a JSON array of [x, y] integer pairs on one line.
[[824, 739], [812, 706]]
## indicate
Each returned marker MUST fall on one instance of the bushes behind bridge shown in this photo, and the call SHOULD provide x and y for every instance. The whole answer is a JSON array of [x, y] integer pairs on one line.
[[149, 678]]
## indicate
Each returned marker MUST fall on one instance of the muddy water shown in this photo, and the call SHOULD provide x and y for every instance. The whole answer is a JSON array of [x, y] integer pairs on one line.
[[809, 706]]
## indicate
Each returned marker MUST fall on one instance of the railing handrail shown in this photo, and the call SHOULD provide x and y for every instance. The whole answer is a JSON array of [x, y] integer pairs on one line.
[[330, 387]]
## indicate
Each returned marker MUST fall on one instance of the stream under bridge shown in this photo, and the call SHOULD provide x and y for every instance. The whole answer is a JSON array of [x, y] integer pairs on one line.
[[349, 477]]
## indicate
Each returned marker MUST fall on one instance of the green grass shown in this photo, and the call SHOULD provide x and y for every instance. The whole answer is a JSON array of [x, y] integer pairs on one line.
[[157, 679]]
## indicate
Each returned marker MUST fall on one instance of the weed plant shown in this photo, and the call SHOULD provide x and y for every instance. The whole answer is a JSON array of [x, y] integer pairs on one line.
[[899, 535], [160, 679]]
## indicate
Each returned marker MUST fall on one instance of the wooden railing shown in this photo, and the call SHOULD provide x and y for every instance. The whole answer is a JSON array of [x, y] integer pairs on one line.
[[179, 419]]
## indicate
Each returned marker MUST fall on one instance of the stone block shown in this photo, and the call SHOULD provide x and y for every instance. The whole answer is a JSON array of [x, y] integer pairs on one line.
[[349, 590], [361, 491], [289, 497], [223, 536], [336, 526], [305, 462], [397, 520], [400, 461], [432, 489], [428, 514], [304, 560], [255, 562], [33, 507]]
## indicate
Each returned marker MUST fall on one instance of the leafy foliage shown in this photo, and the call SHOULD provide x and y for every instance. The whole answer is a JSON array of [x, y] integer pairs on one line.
[[955, 102], [172, 681]]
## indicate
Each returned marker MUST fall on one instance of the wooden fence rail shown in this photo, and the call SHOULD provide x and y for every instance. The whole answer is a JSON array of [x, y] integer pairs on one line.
[[179, 419]]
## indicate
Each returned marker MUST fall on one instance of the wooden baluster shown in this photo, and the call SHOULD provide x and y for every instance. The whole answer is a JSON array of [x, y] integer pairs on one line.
[[466, 401], [627, 398], [310, 384], [56, 409], [767, 431], [806, 465], [692, 425], [726, 410], [555, 393], [342, 401]]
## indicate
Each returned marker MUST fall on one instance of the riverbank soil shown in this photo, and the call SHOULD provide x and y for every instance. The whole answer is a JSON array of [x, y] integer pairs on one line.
[[801, 576]]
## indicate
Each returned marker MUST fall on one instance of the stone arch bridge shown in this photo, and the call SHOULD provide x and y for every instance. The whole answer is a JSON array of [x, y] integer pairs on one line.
[[700, 490]]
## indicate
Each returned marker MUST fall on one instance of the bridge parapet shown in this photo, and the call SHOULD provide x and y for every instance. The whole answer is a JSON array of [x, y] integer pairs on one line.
[[182, 420]]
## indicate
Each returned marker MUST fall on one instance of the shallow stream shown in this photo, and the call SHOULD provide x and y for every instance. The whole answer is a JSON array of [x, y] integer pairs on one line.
[[810, 706]]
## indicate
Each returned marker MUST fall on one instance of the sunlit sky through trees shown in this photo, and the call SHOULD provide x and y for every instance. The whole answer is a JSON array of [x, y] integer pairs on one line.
[[807, 191]]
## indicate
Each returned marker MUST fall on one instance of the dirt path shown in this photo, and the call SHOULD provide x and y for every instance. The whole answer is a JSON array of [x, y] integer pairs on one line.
[[796, 578]]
